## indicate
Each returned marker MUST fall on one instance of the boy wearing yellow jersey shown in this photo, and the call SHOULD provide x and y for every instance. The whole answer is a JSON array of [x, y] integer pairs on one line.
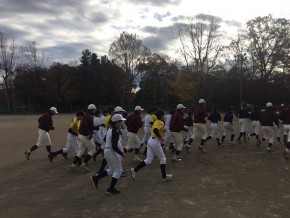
[[72, 137], [154, 148]]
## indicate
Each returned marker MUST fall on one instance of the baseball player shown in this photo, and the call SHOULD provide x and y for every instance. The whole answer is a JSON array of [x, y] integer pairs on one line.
[[243, 116], [134, 123], [176, 125], [86, 142], [285, 135], [214, 118], [228, 125], [267, 118], [167, 135], [254, 116], [97, 138], [154, 148], [72, 137], [45, 124], [285, 117], [113, 154], [199, 123]]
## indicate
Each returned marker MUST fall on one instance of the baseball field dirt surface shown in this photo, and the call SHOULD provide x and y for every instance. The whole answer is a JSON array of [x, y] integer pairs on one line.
[[239, 180]]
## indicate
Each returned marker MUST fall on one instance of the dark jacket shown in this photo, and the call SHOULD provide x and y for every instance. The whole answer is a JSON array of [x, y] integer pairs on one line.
[[214, 117], [267, 117], [134, 122], [45, 122], [87, 125], [176, 122], [285, 116], [200, 114]]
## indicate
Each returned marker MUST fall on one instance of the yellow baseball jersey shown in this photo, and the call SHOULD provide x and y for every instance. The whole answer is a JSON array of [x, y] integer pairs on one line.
[[106, 121], [75, 125], [158, 124], [153, 118]]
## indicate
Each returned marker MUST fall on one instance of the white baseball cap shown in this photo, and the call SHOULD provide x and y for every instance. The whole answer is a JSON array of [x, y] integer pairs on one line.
[[138, 108], [92, 107], [117, 117], [54, 110], [180, 106], [269, 104], [119, 109], [201, 101]]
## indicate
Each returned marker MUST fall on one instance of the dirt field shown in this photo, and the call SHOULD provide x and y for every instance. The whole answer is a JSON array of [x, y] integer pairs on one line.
[[234, 181]]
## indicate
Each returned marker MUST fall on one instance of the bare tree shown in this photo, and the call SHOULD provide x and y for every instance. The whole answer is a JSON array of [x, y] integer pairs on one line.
[[127, 52], [200, 46], [32, 57], [9, 59]]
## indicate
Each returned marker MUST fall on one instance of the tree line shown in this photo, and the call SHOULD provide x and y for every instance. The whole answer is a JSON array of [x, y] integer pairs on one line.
[[252, 68]]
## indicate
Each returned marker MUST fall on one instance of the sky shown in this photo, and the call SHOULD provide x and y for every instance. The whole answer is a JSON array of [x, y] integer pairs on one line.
[[62, 29]]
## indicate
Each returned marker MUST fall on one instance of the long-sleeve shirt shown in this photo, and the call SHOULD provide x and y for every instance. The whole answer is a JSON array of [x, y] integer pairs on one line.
[[229, 117], [255, 115], [113, 140], [45, 122], [134, 122], [268, 117], [176, 122], [74, 126], [87, 125], [285, 116], [243, 114]]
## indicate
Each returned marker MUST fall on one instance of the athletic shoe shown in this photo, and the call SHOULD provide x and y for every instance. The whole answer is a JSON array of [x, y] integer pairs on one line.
[[95, 181], [176, 159], [112, 191], [239, 141], [285, 154], [201, 148], [74, 169], [64, 155], [187, 148], [123, 174], [167, 179], [27, 155], [233, 143], [137, 158], [133, 174], [221, 145], [51, 156], [269, 149], [84, 168]]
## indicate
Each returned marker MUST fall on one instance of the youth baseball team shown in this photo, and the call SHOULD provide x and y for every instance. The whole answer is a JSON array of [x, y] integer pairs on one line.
[[113, 133]]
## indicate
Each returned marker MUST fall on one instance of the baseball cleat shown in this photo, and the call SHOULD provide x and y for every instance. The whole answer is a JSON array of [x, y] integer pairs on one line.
[[74, 169], [123, 174], [112, 191], [269, 150], [167, 179], [202, 148], [133, 174], [64, 155], [27, 155], [176, 160], [84, 168], [51, 157], [239, 141], [187, 148], [221, 145], [233, 143]]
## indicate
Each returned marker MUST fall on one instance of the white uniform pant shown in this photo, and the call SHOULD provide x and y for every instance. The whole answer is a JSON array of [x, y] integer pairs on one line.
[[188, 134], [257, 126], [167, 136], [72, 142], [268, 133], [43, 138], [276, 130], [133, 141], [114, 162], [146, 135], [244, 125], [86, 143], [287, 131], [199, 128], [154, 148], [228, 127], [177, 140], [214, 130]]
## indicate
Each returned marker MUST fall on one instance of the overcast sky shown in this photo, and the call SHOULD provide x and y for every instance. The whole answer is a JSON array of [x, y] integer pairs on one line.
[[64, 28]]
